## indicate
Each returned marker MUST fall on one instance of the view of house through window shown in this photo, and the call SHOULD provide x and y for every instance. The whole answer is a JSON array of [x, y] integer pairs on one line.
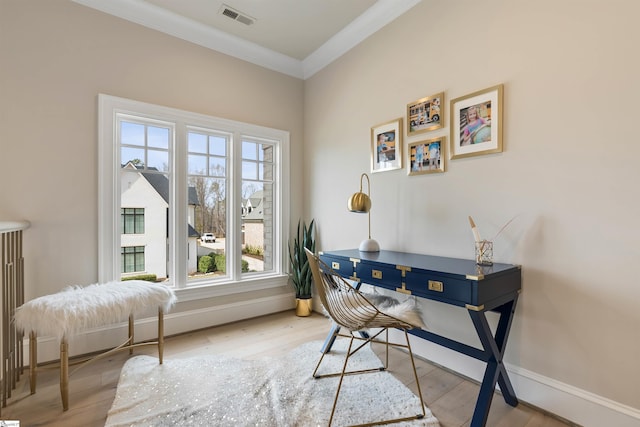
[[207, 188], [188, 212], [257, 204], [144, 199]]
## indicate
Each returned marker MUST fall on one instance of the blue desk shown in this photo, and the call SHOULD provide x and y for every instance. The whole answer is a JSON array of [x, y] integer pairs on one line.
[[453, 281]]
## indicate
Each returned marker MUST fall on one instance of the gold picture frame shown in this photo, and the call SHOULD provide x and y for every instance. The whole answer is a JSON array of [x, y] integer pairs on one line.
[[425, 114], [386, 146], [483, 135], [427, 156]]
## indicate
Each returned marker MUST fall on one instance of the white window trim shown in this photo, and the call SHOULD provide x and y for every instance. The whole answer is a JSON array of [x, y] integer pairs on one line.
[[109, 194]]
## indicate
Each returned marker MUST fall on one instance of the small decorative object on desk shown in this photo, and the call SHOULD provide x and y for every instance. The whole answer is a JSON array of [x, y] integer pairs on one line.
[[484, 248], [484, 252]]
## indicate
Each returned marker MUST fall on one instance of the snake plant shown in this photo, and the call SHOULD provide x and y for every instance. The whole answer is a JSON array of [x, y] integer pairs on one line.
[[300, 272]]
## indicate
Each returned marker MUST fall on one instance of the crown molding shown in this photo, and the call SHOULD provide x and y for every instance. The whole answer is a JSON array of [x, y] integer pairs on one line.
[[154, 17], [372, 20]]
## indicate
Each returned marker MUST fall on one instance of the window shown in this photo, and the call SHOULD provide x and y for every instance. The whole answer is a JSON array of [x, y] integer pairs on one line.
[[174, 176], [132, 220], [132, 259]]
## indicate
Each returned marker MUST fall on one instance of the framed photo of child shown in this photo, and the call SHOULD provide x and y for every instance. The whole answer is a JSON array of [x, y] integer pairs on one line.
[[476, 123], [425, 114], [386, 146], [427, 156]]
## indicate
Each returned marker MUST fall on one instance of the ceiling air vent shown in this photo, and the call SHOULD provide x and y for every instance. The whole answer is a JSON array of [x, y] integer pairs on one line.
[[236, 15]]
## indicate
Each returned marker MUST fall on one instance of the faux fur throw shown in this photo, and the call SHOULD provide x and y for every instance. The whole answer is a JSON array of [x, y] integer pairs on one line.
[[408, 310], [77, 308]]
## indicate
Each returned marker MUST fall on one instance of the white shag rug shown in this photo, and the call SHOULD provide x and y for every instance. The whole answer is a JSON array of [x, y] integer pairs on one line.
[[215, 390]]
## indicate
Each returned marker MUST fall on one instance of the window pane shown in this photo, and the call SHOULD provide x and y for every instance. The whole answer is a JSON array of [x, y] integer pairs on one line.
[[258, 206], [197, 143], [197, 165], [249, 170], [134, 155], [139, 261], [158, 137], [265, 171], [218, 145], [129, 227], [132, 259], [131, 134], [158, 160], [256, 251], [207, 207], [144, 200], [139, 221], [249, 150], [268, 221], [208, 204], [217, 166]]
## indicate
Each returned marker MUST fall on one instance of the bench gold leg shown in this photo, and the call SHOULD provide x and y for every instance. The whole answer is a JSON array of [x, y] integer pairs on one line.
[[160, 334], [33, 361], [64, 373]]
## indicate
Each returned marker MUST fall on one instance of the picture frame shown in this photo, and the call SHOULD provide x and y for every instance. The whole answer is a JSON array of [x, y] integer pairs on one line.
[[425, 114], [428, 156], [386, 146], [484, 135]]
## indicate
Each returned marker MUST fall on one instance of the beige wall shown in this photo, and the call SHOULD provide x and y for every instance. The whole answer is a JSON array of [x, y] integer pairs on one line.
[[56, 57], [568, 173]]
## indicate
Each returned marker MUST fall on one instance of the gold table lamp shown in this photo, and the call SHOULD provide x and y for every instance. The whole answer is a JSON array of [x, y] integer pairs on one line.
[[361, 203]]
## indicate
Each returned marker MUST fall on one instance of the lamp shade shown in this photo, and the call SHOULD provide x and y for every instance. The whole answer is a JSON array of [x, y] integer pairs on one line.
[[359, 202]]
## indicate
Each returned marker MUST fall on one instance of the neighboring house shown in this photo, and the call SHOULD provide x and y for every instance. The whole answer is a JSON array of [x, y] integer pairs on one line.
[[253, 220], [144, 199]]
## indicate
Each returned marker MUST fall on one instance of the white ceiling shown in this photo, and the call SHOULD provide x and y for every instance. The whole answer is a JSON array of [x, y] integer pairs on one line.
[[295, 37]]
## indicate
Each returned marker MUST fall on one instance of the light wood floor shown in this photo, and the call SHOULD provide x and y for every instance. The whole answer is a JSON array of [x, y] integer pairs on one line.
[[92, 388]]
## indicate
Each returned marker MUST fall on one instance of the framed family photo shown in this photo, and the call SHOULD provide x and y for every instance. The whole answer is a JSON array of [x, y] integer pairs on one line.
[[476, 123], [386, 146], [427, 156], [425, 114]]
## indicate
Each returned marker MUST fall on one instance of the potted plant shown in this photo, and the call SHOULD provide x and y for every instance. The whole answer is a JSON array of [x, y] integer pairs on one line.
[[300, 272]]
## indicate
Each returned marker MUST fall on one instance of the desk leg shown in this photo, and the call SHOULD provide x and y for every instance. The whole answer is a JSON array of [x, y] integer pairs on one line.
[[495, 371], [331, 338]]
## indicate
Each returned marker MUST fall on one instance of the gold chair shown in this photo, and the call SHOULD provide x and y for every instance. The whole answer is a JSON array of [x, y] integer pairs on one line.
[[353, 310]]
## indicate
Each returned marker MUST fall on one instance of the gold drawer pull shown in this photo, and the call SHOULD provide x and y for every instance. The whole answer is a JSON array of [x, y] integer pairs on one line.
[[376, 274], [403, 289], [335, 265], [436, 286]]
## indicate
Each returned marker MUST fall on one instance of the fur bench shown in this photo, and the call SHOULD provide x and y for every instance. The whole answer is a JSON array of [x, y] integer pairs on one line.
[[77, 308]]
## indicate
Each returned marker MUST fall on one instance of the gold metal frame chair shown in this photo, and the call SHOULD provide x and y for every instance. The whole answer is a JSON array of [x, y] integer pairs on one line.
[[351, 309]]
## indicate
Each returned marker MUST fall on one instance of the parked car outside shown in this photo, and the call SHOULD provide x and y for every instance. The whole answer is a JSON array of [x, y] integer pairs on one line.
[[208, 238]]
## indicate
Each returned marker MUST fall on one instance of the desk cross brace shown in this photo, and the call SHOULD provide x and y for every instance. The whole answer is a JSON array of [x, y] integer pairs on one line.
[[492, 354]]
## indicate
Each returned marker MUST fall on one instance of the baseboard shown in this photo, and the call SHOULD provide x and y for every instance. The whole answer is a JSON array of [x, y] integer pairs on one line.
[[110, 336], [580, 406], [568, 402]]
